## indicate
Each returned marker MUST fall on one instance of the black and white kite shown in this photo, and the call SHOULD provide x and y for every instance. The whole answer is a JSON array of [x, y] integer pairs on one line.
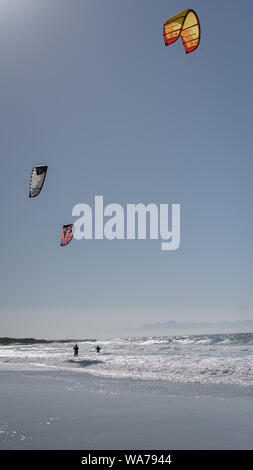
[[37, 180]]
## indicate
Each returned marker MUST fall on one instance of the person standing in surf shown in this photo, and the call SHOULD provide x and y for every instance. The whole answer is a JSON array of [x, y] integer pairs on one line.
[[76, 349]]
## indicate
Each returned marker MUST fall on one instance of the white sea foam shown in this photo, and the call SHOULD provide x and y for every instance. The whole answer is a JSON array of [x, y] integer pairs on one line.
[[216, 359]]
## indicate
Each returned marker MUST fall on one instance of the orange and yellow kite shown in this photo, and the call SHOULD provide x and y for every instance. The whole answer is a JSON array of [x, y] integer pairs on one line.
[[185, 24]]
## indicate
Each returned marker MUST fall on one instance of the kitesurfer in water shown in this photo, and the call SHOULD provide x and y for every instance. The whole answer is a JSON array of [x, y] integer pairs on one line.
[[98, 348], [76, 349]]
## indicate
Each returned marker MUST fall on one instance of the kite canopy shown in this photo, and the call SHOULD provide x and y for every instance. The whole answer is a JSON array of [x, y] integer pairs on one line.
[[67, 234], [185, 24], [37, 180]]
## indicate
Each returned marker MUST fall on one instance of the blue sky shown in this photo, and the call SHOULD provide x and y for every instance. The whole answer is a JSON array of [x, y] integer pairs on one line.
[[88, 87]]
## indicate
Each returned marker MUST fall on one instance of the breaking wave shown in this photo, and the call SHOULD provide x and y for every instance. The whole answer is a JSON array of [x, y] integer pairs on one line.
[[213, 358]]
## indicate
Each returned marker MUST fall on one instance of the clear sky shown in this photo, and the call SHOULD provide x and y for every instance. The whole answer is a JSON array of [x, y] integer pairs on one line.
[[88, 88]]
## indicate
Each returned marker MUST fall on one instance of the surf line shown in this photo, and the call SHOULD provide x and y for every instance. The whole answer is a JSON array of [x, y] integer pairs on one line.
[[121, 224]]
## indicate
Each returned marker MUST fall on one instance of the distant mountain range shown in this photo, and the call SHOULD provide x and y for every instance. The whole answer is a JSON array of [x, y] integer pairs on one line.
[[154, 329], [174, 327]]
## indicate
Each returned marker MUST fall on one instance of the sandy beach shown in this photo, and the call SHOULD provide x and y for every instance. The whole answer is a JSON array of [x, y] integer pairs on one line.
[[44, 410]]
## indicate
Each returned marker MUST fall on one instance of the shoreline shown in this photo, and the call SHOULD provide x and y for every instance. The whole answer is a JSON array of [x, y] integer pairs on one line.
[[59, 410]]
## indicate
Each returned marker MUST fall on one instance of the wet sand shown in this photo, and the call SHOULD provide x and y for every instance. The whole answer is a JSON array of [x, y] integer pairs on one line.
[[52, 410]]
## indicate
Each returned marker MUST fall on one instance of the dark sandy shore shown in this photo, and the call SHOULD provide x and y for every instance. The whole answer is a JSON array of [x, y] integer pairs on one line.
[[54, 410]]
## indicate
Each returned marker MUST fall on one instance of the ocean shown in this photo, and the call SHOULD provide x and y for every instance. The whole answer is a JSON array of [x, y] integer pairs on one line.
[[225, 359]]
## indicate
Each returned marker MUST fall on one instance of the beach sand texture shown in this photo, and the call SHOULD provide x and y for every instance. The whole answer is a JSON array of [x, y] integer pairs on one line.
[[54, 411], [181, 392]]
